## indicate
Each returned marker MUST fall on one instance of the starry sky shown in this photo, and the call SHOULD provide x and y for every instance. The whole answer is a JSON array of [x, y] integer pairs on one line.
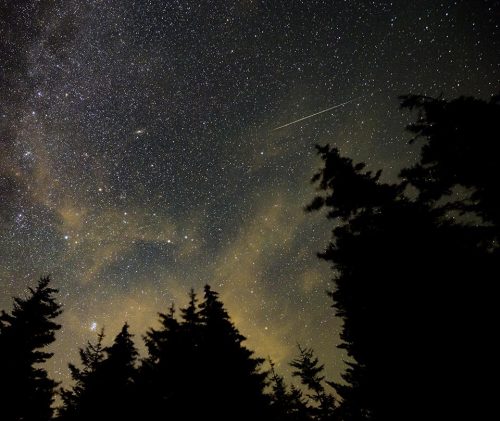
[[138, 156]]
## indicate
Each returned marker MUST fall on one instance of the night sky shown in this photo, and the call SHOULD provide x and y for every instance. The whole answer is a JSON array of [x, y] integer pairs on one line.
[[138, 156]]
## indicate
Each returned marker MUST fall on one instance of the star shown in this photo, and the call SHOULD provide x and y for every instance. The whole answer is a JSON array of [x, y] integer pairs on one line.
[[137, 150]]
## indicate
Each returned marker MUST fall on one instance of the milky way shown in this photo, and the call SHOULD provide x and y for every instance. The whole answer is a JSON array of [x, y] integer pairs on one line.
[[137, 156]]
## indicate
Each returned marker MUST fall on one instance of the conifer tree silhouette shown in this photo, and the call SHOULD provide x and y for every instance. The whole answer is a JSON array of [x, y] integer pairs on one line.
[[104, 384], [169, 376], [309, 371], [457, 175], [26, 391], [190, 389], [286, 405], [460, 148], [279, 396], [81, 401], [190, 315], [233, 375], [197, 367], [162, 368], [405, 268], [119, 373]]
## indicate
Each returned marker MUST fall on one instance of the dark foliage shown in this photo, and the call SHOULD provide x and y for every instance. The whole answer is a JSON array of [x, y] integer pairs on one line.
[[26, 391], [287, 404], [104, 381], [79, 401], [310, 372], [234, 379], [461, 148], [198, 367], [414, 280]]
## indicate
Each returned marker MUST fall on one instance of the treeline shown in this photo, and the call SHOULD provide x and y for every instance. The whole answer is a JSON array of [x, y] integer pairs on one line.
[[415, 263], [196, 368]]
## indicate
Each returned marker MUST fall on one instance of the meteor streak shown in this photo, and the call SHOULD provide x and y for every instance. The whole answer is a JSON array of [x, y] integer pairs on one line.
[[319, 112]]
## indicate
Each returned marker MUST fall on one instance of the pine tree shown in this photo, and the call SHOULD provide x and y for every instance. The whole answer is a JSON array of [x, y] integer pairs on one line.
[[160, 372], [457, 174], [286, 405], [197, 367], [190, 388], [26, 390], [81, 401], [233, 377], [159, 340], [407, 264], [104, 384], [388, 253], [309, 370], [118, 374], [460, 149], [279, 395], [190, 315]]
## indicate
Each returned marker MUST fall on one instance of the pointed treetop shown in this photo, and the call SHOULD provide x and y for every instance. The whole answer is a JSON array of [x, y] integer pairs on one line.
[[308, 369], [190, 313], [123, 345]]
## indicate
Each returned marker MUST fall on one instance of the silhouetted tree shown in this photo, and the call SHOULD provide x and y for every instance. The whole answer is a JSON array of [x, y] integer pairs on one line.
[[310, 372], [82, 400], [26, 391], [461, 148], [119, 373], [457, 174], [286, 405], [190, 314], [161, 370], [190, 387], [104, 384], [170, 375], [198, 368], [233, 376], [405, 271]]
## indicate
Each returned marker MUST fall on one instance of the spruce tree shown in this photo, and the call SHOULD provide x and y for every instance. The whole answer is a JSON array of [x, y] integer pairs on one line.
[[310, 372], [104, 384], [457, 174], [286, 405], [190, 345], [460, 147], [234, 380], [197, 367], [160, 372], [119, 374], [26, 390], [408, 262], [82, 400], [388, 253], [190, 388]]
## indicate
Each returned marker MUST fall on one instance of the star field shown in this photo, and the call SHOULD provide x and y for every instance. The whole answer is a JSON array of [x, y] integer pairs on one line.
[[138, 157]]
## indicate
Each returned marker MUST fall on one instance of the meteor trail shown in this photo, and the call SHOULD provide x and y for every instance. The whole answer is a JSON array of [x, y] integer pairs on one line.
[[319, 112]]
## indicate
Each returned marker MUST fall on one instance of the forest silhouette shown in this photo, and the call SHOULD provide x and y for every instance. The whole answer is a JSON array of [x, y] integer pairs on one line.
[[414, 267]]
